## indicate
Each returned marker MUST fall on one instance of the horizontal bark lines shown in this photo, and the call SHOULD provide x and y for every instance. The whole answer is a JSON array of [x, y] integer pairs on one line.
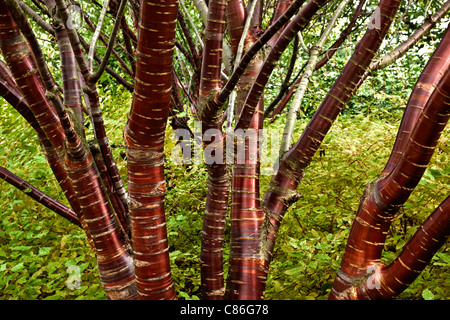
[[384, 196], [20, 61], [144, 138], [115, 265], [211, 256], [282, 188], [248, 276], [424, 87], [27, 94], [210, 81], [415, 256]]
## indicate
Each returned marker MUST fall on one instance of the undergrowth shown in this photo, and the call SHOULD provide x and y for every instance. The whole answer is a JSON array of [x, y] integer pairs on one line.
[[37, 247]]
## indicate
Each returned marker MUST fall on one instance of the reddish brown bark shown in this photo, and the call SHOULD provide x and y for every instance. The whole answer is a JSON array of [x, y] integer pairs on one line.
[[297, 24], [20, 61], [247, 279], [39, 196], [282, 191], [114, 263], [389, 281], [90, 90], [41, 114], [90, 179], [422, 91], [383, 197], [211, 257], [144, 138], [257, 45]]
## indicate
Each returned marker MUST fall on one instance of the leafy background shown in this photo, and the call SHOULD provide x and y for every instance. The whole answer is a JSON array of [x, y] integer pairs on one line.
[[37, 246]]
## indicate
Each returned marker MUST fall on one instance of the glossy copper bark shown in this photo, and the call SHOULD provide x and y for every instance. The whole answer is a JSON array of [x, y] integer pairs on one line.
[[384, 196], [282, 191], [211, 256], [144, 138]]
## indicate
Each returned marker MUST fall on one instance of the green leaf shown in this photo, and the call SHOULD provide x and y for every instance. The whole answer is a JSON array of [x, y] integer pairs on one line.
[[43, 251], [18, 267], [184, 295], [427, 294], [27, 190], [22, 248]]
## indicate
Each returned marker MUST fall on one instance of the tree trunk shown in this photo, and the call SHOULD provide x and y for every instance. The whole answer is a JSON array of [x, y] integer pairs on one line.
[[144, 138], [384, 196]]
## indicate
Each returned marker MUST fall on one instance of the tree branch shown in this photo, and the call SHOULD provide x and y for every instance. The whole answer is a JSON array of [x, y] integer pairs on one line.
[[97, 31], [384, 196], [94, 78], [313, 57], [39, 196], [296, 25], [389, 281], [398, 52], [37, 18], [282, 190]]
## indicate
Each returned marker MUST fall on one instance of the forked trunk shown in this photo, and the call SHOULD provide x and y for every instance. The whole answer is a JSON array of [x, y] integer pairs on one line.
[[381, 201]]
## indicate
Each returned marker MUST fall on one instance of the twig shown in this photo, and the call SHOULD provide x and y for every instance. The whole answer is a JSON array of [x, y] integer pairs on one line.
[[314, 54], [94, 78], [97, 34], [240, 50], [39, 196]]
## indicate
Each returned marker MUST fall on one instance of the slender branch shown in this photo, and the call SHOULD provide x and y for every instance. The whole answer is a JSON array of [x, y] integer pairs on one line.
[[94, 101], [313, 57], [296, 25], [193, 55], [401, 50], [103, 38], [191, 22], [344, 34], [287, 85], [127, 85], [37, 18], [281, 99], [101, 18], [94, 78], [282, 190], [253, 50], [129, 38], [424, 29], [39, 196]]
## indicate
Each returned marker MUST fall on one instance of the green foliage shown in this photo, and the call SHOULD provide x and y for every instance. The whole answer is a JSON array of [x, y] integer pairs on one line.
[[37, 247], [314, 231]]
